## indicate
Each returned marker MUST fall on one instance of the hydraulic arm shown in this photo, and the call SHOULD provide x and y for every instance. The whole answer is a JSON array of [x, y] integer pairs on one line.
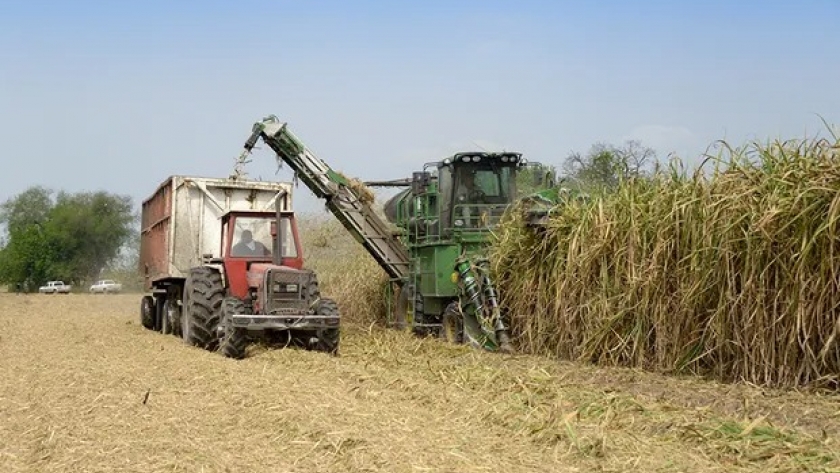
[[342, 200]]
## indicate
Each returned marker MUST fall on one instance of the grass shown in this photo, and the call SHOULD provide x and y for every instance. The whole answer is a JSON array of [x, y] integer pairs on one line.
[[730, 272]]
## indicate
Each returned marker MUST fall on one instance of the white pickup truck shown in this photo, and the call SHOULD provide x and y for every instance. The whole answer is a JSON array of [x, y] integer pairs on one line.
[[55, 287], [105, 286]]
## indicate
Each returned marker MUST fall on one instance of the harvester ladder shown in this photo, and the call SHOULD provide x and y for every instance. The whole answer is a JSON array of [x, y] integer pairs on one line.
[[356, 215]]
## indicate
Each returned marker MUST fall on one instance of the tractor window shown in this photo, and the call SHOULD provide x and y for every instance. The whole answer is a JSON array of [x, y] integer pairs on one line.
[[252, 237], [488, 182], [484, 185], [288, 238]]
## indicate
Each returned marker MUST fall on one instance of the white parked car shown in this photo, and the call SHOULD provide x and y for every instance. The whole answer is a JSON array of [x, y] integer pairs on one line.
[[55, 287], [106, 286]]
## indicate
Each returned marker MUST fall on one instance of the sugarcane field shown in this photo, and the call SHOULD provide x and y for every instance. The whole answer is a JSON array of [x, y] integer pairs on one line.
[[419, 237]]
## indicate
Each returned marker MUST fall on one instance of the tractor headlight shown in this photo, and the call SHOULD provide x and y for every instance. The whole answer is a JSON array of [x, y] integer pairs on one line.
[[291, 287], [459, 223]]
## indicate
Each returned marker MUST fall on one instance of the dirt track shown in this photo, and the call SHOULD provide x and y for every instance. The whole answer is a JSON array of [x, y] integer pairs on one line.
[[76, 371]]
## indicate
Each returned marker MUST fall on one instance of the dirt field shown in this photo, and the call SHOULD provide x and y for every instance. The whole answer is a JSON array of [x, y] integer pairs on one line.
[[84, 388]]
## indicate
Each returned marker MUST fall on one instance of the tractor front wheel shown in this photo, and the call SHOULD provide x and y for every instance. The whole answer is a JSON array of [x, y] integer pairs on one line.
[[328, 338], [233, 341]]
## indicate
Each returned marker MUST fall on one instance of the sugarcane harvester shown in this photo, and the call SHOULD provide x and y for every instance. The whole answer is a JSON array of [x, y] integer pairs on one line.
[[436, 260]]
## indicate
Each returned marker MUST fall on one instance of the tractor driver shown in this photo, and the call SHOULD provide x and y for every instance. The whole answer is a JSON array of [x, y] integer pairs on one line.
[[469, 195], [470, 192], [247, 246]]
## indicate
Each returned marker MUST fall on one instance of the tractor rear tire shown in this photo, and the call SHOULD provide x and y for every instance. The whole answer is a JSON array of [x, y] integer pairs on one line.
[[204, 293], [452, 322], [328, 338], [234, 340], [147, 312]]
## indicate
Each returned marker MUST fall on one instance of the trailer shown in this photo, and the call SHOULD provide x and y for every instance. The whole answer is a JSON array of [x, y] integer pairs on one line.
[[222, 262]]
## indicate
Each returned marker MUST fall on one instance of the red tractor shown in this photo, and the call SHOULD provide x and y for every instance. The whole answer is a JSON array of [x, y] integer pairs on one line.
[[252, 286]]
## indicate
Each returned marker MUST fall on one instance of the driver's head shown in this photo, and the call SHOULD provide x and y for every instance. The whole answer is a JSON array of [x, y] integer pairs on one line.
[[246, 236], [469, 180]]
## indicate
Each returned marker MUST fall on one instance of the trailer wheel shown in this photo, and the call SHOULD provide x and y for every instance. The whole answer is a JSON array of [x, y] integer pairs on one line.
[[147, 312], [165, 317], [328, 338], [234, 340], [205, 292], [453, 324], [172, 313]]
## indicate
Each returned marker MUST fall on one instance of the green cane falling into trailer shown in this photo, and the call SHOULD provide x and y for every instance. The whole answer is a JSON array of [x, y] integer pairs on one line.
[[445, 216]]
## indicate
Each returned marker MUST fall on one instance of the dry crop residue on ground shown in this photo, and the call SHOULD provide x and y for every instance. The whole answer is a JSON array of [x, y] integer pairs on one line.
[[84, 388]]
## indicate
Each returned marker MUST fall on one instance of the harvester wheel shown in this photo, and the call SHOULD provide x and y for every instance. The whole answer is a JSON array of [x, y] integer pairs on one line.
[[204, 293], [419, 316], [147, 312], [328, 338], [234, 340], [453, 324]]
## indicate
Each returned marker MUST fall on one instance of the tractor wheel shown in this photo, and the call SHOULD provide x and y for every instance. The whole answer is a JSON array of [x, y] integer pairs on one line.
[[233, 340], [147, 312], [453, 324], [328, 338], [203, 307], [313, 289]]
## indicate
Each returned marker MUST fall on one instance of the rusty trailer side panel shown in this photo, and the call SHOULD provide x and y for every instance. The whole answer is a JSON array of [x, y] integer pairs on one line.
[[181, 220]]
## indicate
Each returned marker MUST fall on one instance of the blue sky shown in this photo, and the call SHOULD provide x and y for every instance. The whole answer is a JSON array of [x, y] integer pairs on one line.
[[119, 95]]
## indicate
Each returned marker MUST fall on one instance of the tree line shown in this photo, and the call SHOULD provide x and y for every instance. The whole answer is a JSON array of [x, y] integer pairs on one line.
[[72, 237]]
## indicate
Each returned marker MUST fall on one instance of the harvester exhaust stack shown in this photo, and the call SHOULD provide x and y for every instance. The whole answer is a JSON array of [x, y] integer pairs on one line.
[[391, 183]]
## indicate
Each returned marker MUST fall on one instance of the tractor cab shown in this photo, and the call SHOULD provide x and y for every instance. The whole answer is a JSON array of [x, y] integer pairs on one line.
[[476, 188], [253, 241], [465, 194]]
